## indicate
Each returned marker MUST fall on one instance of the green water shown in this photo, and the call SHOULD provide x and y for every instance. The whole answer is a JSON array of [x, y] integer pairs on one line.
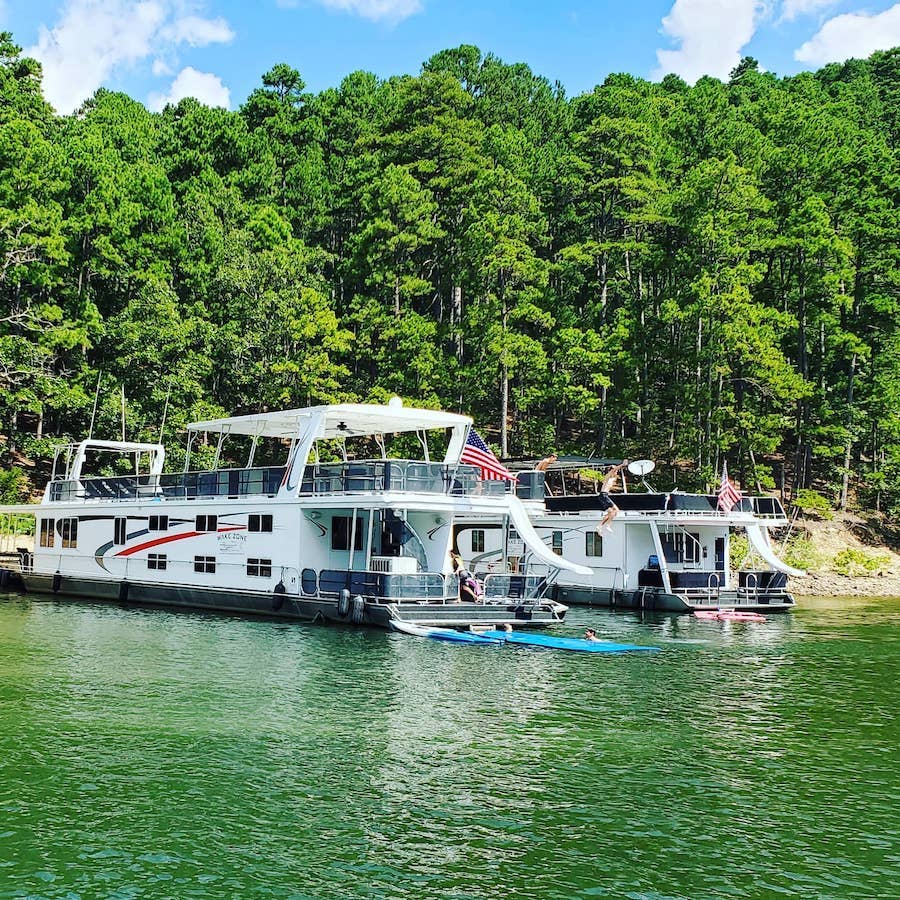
[[152, 754]]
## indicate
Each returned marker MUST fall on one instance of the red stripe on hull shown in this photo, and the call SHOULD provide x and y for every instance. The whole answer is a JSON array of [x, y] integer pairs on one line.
[[174, 537]]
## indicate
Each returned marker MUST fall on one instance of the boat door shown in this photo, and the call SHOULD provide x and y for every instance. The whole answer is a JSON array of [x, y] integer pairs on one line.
[[720, 554]]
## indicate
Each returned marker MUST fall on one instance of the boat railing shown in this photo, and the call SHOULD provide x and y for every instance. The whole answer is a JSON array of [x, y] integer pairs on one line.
[[318, 479], [176, 485], [672, 503], [514, 587]]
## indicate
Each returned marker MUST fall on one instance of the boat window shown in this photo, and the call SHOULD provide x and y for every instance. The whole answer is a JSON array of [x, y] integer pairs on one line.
[[259, 522], [259, 567], [205, 563], [692, 548], [69, 531], [673, 546], [556, 543], [47, 532], [593, 544], [157, 561], [340, 533], [158, 523], [478, 540], [120, 527], [206, 523]]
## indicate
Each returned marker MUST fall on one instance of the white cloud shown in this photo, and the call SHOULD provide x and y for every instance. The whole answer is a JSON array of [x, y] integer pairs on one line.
[[793, 9], [197, 32], [375, 10], [710, 35], [852, 35], [206, 87], [95, 38], [161, 67]]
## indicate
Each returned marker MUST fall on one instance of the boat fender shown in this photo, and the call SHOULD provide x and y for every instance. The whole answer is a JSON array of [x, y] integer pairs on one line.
[[359, 610], [57, 582], [278, 599], [344, 604], [123, 592], [4, 579]]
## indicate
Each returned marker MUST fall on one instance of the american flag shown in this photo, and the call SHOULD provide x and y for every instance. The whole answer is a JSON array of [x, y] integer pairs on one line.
[[477, 453], [728, 493]]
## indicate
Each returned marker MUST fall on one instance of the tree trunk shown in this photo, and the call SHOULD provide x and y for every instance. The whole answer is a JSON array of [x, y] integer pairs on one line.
[[845, 483], [456, 319]]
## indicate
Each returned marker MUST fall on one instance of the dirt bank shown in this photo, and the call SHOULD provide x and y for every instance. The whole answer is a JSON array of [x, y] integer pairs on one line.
[[828, 540]]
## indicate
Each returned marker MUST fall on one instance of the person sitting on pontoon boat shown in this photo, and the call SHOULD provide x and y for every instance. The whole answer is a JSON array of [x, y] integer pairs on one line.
[[470, 589]]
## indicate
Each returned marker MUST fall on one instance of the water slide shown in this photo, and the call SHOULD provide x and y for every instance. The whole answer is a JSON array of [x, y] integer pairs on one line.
[[760, 543], [518, 516]]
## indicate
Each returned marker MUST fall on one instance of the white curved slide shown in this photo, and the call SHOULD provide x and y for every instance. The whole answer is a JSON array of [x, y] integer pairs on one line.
[[761, 546], [519, 518]]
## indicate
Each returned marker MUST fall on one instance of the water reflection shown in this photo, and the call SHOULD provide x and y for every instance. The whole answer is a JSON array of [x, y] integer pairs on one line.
[[150, 753]]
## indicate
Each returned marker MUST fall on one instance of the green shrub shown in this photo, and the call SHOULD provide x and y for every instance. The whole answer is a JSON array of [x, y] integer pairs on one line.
[[857, 562], [813, 503], [801, 553], [13, 486]]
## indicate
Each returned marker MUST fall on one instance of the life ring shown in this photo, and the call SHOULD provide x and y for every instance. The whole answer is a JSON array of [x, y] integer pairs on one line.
[[343, 607], [359, 610]]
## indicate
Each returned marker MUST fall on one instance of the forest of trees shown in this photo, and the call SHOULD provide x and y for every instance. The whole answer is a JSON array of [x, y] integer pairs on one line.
[[691, 274]]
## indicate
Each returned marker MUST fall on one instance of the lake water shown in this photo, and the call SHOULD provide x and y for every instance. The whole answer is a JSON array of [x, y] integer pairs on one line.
[[153, 754]]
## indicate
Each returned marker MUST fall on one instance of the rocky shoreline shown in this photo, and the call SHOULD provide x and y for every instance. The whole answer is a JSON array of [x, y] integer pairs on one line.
[[830, 584]]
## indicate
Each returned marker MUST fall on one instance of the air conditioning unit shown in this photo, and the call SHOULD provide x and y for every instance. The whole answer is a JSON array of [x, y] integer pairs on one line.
[[395, 565]]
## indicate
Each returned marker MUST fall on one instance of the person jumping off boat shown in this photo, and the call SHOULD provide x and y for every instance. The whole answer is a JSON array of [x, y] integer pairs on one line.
[[605, 501]]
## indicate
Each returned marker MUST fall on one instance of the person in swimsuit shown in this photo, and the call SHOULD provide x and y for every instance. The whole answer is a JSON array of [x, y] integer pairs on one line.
[[606, 502]]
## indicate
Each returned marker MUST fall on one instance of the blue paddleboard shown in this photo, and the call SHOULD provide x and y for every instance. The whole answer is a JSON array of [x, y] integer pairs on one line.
[[459, 637], [565, 643], [443, 634]]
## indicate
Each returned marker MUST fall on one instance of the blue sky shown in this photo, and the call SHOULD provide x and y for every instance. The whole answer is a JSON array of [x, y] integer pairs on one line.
[[216, 50]]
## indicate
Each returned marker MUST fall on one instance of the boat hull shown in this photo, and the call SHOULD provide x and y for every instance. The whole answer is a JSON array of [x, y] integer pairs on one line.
[[290, 606], [654, 599]]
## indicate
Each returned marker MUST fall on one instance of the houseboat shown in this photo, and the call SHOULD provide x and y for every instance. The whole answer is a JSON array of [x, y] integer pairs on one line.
[[319, 514], [662, 551]]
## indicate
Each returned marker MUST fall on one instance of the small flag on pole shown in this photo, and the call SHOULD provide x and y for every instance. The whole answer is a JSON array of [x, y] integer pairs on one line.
[[477, 453], [729, 495]]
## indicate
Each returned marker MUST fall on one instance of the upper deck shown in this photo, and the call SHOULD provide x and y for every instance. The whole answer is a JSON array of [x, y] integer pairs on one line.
[[320, 479]]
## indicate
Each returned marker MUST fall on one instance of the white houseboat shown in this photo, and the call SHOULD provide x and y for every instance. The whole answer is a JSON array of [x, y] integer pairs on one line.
[[365, 539], [663, 550]]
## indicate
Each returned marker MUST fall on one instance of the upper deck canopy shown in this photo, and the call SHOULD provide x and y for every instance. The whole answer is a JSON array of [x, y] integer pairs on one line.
[[338, 420]]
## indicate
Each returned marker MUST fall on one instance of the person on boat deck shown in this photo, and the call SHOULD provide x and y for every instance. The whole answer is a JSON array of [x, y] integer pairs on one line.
[[605, 501], [543, 465], [469, 588], [591, 635]]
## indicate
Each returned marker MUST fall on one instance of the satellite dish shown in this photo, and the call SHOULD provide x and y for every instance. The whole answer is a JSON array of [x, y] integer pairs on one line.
[[641, 467]]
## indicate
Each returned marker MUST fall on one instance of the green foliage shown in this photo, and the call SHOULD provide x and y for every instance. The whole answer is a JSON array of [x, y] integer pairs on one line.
[[13, 486], [813, 503], [851, 561], [704, 273], [801, 553]]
